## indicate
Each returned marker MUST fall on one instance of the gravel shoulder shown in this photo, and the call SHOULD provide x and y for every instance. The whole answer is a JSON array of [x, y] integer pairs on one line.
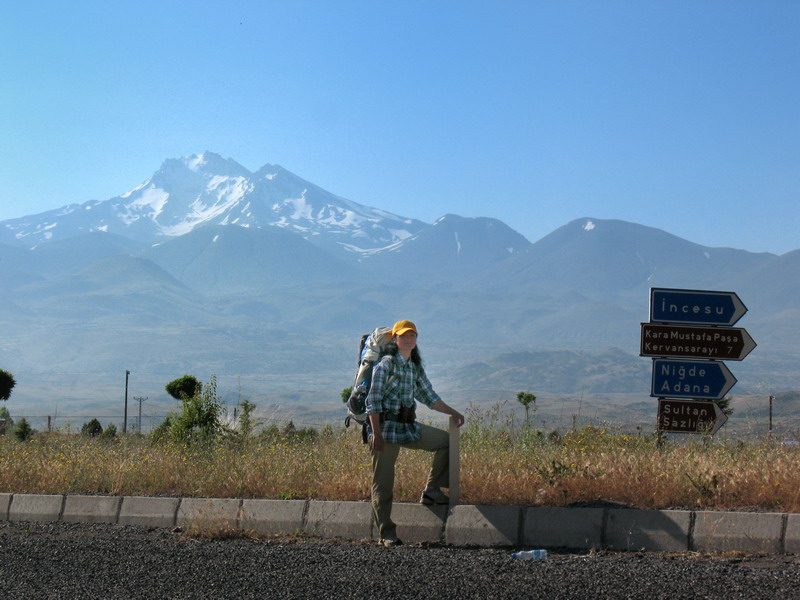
[[68, 560]]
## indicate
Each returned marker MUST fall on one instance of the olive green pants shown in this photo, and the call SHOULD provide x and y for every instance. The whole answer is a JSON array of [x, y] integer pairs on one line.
[[432, 440]]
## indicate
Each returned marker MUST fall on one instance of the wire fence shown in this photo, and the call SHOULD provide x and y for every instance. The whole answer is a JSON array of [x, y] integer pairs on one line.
[[147, 423]]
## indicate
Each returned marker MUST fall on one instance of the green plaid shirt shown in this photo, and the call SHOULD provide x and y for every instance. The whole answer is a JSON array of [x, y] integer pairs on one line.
[[397, 382]]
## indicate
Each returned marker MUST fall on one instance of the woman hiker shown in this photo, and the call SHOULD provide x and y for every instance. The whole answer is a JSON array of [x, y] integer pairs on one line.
[[397, 381]]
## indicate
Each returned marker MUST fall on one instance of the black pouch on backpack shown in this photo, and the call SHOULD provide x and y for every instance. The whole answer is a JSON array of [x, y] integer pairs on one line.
[[407, 414]]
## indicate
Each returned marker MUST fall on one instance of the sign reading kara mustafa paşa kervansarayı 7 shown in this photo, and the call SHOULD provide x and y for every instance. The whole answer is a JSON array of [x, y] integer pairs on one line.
[[694, 341]]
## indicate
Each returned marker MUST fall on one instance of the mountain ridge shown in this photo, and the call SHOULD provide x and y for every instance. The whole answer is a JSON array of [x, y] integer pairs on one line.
[[281, 294], [187, 193]]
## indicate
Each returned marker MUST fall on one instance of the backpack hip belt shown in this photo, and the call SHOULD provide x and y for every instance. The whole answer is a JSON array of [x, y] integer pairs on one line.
[[407, 415]]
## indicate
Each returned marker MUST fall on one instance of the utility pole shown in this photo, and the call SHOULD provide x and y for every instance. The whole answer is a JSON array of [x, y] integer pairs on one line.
[[771, 399], [125, 418], [140, 399]]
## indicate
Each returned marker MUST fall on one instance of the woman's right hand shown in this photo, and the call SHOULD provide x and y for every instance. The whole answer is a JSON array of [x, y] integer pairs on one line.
[[376, 441]]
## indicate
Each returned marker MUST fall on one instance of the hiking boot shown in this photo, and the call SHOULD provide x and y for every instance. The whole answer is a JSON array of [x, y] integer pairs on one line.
[[431, 497], [391, 541]]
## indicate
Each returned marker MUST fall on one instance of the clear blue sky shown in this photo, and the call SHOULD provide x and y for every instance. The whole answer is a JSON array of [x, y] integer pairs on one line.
[[682, 114]]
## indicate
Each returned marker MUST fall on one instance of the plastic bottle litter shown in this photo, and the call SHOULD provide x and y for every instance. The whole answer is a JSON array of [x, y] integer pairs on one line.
[[530, 555]]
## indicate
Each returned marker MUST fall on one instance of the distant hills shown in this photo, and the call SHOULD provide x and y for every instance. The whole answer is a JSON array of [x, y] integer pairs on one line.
[[267, 281]]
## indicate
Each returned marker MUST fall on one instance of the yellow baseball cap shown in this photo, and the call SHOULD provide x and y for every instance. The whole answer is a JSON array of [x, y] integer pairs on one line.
[[402, 327]]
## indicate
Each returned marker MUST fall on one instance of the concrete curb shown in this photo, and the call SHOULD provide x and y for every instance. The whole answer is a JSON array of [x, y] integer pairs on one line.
[[209, 513], [662, 530], [465, 525], [419, 523], [148, 511], [5, 504], [483, 526], [792, 535], [744, 532], [274, 517], [91, 509], [35, 507], [554, 526], [329, 519]]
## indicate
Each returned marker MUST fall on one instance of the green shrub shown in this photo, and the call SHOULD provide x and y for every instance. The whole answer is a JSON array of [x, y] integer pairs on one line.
[[184, 387], [110, 432], [199, 420], [23, 430], [6, 422], [161, 432], [92, 428]]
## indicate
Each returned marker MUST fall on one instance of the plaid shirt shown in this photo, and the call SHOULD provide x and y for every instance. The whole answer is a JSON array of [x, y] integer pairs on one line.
[[397, 382]]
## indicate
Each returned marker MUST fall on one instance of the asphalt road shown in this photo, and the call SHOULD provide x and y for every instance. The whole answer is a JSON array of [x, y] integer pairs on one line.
[[63, 560]]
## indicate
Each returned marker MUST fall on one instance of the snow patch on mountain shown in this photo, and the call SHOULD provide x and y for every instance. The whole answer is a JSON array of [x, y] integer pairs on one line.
[[130, 193], [301, 209], [202, 211], [195, 161], [401, 234], [152, 198], [588, 226]]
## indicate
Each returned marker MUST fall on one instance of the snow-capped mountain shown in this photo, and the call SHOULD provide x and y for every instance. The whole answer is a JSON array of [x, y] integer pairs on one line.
[[206, 189], [207, 267]]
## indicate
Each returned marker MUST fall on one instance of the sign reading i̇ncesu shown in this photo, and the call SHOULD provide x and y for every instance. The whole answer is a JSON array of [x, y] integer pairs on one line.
[[695, 307]]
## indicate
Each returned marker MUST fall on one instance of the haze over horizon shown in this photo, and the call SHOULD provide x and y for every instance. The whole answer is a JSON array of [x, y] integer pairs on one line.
[[681, 117]]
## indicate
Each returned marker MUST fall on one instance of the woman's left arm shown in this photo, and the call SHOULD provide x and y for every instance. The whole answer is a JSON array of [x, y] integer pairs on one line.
[[425, 393], [442, 407]]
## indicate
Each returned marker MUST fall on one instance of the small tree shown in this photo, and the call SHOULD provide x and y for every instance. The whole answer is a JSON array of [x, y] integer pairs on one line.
[[245, 420], [526, 399], [724, 405], [23, 431], [92, 428], [109, 433], [200, 417], [6, 422], [7, 384], [162, 430], [184, 387]]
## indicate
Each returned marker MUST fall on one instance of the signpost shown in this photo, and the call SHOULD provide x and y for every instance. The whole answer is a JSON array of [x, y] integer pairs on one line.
[[693, 341], [695, 307], [709, 380], [689, 332], [689, 416]]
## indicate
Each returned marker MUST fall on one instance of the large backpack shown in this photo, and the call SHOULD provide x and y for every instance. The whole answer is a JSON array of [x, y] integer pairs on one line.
[[373, 347]]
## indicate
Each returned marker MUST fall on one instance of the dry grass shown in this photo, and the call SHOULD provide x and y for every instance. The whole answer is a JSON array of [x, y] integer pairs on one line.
[[500, 465]]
